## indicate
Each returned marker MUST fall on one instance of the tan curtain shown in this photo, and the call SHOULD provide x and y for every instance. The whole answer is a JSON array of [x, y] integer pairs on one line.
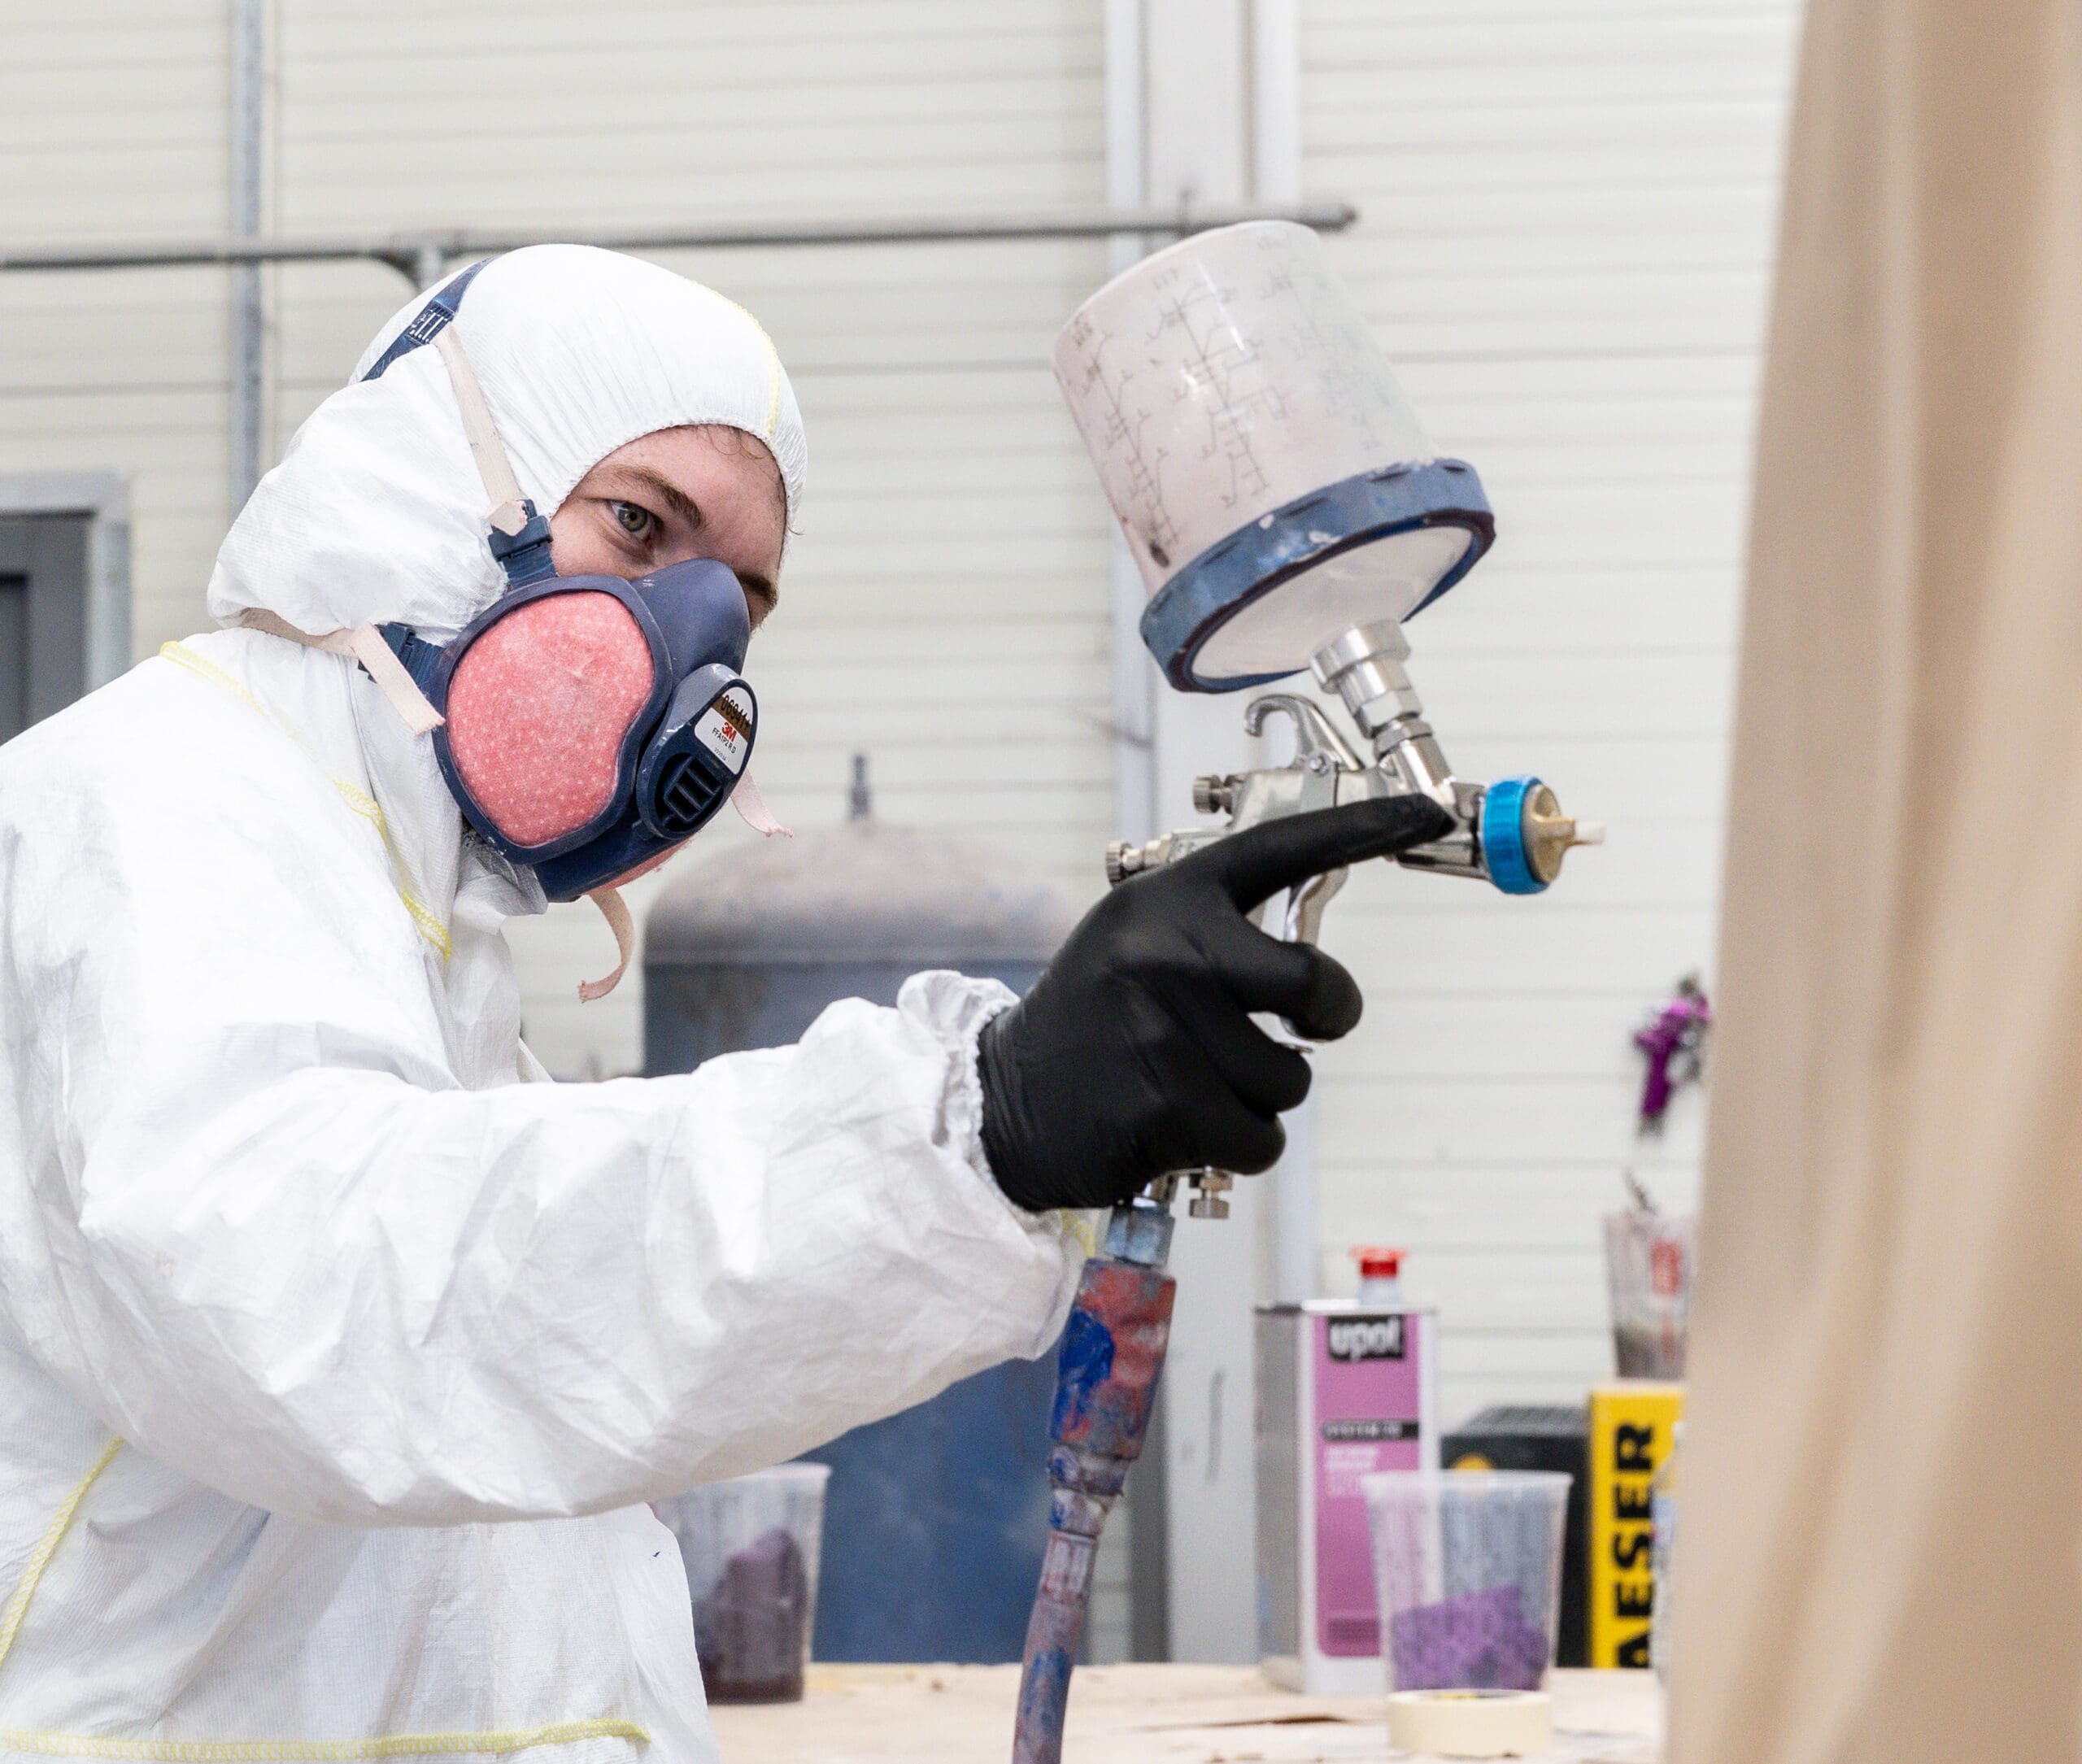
[[1881, 1555]]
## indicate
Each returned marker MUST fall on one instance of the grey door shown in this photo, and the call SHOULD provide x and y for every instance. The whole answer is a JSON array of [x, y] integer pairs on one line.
[[43, 617]]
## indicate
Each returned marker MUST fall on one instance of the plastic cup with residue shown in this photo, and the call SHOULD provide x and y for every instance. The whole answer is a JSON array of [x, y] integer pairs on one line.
[[1467, 1568], [750, 1547], [1649, 1257]]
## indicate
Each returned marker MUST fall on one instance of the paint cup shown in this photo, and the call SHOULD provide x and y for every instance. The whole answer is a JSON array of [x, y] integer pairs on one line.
[[750, 1547], [1467, 1569], [1648, 1259]]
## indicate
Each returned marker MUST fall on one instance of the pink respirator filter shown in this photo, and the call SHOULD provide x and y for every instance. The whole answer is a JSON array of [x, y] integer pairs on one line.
[[539, 709]]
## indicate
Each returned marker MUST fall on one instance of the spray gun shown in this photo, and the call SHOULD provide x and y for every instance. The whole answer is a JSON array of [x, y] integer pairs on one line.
[[1672, 1042], [1239, 416]]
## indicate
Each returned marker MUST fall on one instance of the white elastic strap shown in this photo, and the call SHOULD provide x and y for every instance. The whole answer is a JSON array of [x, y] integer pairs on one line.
[[365, 644], [614, 910], [753, 810], [494, 467]]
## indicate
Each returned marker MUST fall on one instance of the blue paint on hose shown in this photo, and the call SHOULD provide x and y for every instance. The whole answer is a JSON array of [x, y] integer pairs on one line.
[[1082, 1369], [1106, 1372], [1044, 1694]]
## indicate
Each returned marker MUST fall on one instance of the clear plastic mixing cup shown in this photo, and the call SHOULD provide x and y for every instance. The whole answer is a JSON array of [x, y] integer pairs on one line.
[[1648, 1259], [1467, 1568], [1223, 378], [750, 1547]]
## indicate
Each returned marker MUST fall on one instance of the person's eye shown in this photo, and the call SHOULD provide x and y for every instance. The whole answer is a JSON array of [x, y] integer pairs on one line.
[[637, 523]]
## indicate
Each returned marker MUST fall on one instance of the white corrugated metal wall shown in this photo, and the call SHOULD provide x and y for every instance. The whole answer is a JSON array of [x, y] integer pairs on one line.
[[1566, 226], [114, 122]]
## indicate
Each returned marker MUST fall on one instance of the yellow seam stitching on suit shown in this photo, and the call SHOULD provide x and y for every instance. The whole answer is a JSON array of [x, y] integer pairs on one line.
[[359, 800], [259, 1751], [182, 655], [772, 365], [370, 810], [288, 1751], [1078, 1228], [40, 1557], [429, 925], [431, 928]]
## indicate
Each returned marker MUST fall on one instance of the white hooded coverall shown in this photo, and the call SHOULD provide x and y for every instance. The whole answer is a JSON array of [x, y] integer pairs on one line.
[[336, 1360]]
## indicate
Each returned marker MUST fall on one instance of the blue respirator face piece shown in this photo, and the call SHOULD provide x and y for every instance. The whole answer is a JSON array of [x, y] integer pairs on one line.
[[589, 725]]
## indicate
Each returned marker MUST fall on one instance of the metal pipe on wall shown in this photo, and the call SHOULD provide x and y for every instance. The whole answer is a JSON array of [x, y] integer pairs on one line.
[[1197, 147], [1134, 677], [417, 255], [1290, 1250], [248, 318], [1142, 1518]]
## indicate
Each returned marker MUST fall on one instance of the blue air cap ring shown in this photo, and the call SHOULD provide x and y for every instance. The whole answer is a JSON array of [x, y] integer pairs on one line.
[[1505, 852]]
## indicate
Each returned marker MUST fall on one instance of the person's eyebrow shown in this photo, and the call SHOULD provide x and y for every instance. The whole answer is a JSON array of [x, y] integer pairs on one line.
[[671, 495], [751, 581]]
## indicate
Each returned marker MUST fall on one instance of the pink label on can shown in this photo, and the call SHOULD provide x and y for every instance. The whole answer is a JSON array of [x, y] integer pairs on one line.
[[1368, 1402]]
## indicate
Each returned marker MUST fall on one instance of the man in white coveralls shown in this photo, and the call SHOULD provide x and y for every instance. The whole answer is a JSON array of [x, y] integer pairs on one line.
[[339, 1353]]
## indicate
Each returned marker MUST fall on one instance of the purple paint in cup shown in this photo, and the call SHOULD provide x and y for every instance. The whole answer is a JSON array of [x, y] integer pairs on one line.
[[1467, 1569], [750, 1547]]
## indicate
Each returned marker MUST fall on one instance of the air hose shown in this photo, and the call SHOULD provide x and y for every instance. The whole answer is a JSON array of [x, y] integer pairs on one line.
[[1111, 1356]]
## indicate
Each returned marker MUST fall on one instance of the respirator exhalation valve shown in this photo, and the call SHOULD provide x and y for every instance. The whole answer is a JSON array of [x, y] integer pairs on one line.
[[686, 795], [695, 760]]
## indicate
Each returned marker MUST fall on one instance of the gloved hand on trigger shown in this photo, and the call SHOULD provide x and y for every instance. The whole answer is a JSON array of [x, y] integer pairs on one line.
[[1135, 1054]]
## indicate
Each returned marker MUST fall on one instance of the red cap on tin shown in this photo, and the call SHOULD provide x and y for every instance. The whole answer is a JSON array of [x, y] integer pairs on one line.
[[1374, 1260]]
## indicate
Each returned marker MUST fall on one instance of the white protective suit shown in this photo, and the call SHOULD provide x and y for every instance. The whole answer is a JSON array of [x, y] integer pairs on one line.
[[336, 1360]]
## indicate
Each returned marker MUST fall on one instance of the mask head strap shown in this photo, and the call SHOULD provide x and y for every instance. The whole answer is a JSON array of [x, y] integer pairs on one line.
[[519, 536]]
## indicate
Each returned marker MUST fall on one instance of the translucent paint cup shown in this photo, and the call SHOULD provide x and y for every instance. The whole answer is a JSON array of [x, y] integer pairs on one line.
[[750, 1547], [1648, 1259], [1467, 1568]]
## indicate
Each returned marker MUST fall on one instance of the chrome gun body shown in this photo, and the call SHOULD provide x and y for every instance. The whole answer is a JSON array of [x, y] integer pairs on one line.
[[1512, 834]]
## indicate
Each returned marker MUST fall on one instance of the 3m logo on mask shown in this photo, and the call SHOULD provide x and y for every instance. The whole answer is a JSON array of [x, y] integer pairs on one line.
[[1366, 1338], [725, 728]]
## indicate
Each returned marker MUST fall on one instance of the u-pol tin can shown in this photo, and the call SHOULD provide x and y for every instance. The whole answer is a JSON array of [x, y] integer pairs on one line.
[[1342, 1391]]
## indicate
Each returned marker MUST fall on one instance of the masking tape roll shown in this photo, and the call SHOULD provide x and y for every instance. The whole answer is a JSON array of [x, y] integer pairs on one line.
[[1471, 1723]]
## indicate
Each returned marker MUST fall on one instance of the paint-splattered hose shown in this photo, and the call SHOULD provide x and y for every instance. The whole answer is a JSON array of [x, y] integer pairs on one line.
[[1112, 1353]]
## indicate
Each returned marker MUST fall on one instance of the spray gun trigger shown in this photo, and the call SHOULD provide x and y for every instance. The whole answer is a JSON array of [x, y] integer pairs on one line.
[[1306, 902], [1302, 923]]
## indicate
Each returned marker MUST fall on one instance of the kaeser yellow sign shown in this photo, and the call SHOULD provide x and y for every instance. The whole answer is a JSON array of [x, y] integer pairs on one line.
[[1631, 1425]]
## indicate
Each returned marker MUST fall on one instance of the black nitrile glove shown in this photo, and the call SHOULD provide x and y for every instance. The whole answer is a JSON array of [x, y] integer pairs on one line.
[[1135, 1054]]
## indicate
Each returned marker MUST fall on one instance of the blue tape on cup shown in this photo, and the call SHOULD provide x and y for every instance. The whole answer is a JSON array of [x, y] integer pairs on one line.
[[1256, 559], [1503, 834]]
